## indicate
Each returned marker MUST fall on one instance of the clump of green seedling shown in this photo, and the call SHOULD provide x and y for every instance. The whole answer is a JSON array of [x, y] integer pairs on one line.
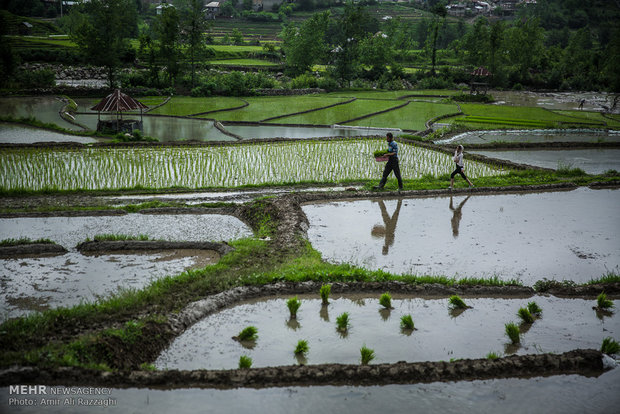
[[457, 303], [603, 303], [525, 315], [534, 309], [342, 321], [512, 330], [610, 346], [302, 347], [249, 333], [406, 322], [492, 355], [325, 291], [293, 305], [367, 355], [245, 362], [386, 300]]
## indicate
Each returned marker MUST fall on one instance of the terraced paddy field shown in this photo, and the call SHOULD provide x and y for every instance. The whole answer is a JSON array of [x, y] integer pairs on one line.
[[44, 108], [411, 117], [19, 134], [330, 161], [523, 236], [532, 136]]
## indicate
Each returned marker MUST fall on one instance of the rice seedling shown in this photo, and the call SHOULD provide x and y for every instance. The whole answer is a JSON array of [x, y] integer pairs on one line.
[[120, 237], [302, 347], [534, 309], [512, 330], [325, 291], [492, 355], [367, 355], [245, 362], [603, 303], [293, 305], [525, 315], [455, 302], [610, 346], [249, 333], [23, 240], [406, 322], [386, 300], [342, 321]]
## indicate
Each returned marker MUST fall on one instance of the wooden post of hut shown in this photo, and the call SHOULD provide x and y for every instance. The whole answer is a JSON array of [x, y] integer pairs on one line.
[[118, 102], [479, 83]]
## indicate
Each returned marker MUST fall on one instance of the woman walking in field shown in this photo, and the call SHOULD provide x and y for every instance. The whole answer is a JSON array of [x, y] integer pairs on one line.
[[458, 159]]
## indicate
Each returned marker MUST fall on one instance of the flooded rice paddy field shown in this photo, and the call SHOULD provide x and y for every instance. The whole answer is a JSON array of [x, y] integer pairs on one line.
[[485, 137], [440, 334], [563, 394], [44, 108], [593, 101], [13, 134], [570, 235], [592, 161], [38, 283]]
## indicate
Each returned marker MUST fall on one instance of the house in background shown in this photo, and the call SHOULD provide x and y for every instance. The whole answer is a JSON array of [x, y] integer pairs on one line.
[[212, 9]]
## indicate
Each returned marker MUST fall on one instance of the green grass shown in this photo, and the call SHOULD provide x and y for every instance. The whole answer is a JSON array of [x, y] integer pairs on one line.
[[302, 347], [455, 302], [366, 355], [341, 113], [609, 277], [492, 355], [411, 117], [241, 62], [603, 303], [525, 315], [406, 322], [342, 321], [245, 362], [512, 331], [293, 305], [23, 240], [249, 333], [590, 117], [324, 292], [386, 300], [119, 237], [610, 346], [185, 105]]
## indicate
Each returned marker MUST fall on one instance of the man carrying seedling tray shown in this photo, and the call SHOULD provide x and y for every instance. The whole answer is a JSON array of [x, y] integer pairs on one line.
[[392, 163]]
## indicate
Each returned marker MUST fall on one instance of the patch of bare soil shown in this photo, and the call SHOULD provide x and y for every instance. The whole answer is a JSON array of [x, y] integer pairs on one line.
[[32, 249], [149, 245]]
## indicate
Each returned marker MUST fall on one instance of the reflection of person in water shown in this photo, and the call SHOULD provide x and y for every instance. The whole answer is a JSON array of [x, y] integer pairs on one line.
[[456, 216], [386, 231]]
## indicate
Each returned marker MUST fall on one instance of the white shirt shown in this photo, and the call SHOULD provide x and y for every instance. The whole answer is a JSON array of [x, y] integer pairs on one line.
[[459, 159]]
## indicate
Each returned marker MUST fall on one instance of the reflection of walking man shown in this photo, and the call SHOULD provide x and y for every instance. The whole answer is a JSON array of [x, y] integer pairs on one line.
[[392, 163], [389, 227], [456, 216]]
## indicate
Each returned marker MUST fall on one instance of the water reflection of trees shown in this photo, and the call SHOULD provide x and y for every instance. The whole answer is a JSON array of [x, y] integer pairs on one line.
[[456, 216], [389, 226]]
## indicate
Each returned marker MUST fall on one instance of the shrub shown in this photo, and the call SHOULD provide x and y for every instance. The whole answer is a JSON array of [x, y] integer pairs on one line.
[[604, 303], [42, 78], [293, 305], [367, 355], [610, 346], [525, 315], [245, 362], [342, 321], [386, 300], [304, 81], [457, 303], [302, 347], [512, 330], [534, 308], [248, 334], [406, 322], [325, 291]]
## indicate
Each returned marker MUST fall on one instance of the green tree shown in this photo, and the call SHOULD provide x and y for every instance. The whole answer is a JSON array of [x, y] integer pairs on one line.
[[167, 33], [440, 13], [194, 25], [376, 52], [524, 48], [237, 36], [305, 45], [101, 29]]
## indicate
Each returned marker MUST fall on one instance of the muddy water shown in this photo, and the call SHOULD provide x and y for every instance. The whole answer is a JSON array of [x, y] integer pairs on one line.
[[26, 135], [593, 101], [592, 161], [43, 108], [559, 394], [38, 283], [556, 235], [485, 137], [440, 334]]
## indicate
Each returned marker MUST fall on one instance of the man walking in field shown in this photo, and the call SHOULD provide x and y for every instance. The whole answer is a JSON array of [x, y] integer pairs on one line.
[[392, 163]]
